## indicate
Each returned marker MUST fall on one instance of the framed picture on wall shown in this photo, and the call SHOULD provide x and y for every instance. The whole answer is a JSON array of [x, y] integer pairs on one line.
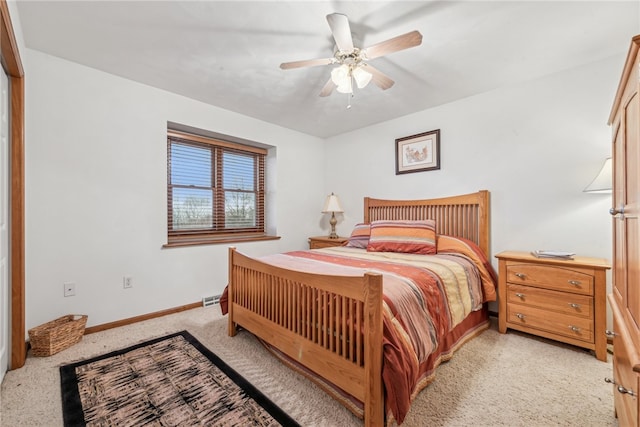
[[418, 153]]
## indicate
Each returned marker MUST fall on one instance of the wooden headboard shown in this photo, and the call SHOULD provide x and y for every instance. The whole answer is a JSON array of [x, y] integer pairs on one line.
[[464, 216]]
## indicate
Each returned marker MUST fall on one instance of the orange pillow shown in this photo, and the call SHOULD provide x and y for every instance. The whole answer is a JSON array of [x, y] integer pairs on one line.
[[416, 237]]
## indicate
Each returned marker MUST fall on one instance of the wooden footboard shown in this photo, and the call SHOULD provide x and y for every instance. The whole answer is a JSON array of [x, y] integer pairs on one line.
[[318, 320]]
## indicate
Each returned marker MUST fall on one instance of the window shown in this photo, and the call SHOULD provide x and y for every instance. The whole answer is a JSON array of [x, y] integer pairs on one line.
[[215, 190]]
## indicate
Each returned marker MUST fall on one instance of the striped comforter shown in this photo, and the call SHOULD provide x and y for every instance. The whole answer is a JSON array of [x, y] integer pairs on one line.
[[425, 298]]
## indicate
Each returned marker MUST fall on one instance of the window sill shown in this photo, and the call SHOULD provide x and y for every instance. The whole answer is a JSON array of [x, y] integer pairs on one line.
[[217, 241]]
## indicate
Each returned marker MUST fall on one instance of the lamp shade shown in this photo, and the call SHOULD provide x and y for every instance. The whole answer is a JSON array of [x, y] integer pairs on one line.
[[602, 183], [361, 77], [344, 75], [341, 76], [332, 204]]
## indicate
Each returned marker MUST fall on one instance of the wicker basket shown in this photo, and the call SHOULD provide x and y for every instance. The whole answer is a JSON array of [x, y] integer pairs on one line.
[[57, 335]]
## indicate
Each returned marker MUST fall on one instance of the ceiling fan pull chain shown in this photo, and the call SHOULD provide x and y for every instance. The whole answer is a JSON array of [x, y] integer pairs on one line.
[[350, 94]]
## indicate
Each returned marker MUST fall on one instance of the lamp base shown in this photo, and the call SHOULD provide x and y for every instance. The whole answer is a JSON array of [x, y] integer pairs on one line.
[[333, 221]]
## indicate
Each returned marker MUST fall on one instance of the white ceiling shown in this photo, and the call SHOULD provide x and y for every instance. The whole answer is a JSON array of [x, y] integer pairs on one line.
[[227, 53]]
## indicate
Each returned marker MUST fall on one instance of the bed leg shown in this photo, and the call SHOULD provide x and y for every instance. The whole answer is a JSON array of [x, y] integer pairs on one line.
[[232, 328]]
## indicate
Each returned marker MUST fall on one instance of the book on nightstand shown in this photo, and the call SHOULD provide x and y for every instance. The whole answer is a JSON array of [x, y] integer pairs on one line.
[[553, 254]]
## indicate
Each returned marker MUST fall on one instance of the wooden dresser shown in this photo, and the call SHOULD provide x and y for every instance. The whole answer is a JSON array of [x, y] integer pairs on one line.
[[562, 300], [326, 242], [625, 295]]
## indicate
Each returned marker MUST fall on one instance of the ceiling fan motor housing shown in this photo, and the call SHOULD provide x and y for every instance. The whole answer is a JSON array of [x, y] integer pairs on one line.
[[355, 57]]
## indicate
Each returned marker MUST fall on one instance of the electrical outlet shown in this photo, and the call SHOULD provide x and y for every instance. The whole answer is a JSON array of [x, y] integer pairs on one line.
[[127, 282], [69, 289]]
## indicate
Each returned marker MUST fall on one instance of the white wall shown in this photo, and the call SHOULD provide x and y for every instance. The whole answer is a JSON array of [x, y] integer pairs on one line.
[[96, 194], [535, 146]]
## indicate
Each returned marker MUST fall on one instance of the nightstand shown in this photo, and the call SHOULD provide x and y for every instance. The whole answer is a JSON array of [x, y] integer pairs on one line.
[[325, 242], [563, 300]]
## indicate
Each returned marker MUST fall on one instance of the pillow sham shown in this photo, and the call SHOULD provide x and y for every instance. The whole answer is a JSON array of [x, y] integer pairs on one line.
[[462, 246], [416, 237], [359, 236]]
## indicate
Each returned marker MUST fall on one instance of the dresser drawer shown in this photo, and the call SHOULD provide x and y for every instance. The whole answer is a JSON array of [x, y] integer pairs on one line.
[[562, 302], [550, 277], [579, 328]]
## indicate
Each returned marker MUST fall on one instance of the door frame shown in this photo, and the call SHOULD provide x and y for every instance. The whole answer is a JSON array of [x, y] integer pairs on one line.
[[12, 64]]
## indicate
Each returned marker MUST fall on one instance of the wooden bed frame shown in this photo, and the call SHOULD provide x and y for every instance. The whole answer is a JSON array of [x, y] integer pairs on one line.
[[333, 324]]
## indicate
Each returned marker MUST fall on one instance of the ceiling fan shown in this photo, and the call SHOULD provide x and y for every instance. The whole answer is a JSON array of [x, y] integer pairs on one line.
[[352, 62]]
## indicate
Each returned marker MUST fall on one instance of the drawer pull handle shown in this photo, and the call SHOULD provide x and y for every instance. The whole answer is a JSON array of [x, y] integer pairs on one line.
[[521, 275], [519, 295], [574, 305], [574, 328], [575, 282], [621, 390], [610, 333], [520, 316], [628, 391]]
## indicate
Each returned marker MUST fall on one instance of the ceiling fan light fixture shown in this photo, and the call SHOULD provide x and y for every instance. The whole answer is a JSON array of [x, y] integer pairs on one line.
[[341, 76], [345, 87], [361, 76]]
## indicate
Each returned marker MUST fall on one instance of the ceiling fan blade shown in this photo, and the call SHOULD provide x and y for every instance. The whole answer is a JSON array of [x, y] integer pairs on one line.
[[307, 63], [328, 88], [341, 31], [379, 78], [405, 41]]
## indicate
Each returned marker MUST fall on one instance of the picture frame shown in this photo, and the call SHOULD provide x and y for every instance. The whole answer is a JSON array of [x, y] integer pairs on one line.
[[418, 153]]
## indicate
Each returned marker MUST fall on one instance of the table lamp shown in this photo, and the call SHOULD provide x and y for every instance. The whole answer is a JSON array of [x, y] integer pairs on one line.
[[332, 204]]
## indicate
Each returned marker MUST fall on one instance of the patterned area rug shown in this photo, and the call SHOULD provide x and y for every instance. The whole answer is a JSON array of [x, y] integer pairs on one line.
[[168, 381]]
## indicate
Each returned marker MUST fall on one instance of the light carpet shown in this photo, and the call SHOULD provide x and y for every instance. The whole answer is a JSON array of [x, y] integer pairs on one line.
[[494, 380]]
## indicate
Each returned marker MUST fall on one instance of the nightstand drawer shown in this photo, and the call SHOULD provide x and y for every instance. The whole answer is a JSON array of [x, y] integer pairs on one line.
[[320, 242], [550, 277], [562, 302], [575, 327], [319, 245]]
